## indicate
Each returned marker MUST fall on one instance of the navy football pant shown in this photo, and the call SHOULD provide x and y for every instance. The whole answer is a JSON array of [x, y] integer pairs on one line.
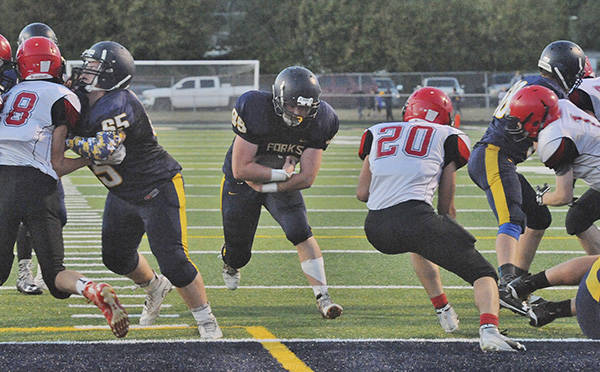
[[510, 196], [29, 196], [587, 302], [413, 226], [163, 220], [240, 209]]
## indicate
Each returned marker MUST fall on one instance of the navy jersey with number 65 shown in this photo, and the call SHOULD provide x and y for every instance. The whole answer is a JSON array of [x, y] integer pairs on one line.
[[254, 119], [146, 165]]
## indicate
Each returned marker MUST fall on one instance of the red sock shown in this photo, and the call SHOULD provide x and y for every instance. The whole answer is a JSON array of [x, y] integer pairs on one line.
[[487, 318], [439, 301]]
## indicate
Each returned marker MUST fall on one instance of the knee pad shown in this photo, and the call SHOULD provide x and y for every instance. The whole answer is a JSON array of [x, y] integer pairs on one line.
[[540, 219], [177, 267], [578, 219], [510, 229], [236, 258], [298, 234], [119, 264]]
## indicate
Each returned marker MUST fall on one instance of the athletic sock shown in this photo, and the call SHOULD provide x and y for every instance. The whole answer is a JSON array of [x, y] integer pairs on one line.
[[488, 318], [80, 284], [439, 301], [539, 280], [560, 309]]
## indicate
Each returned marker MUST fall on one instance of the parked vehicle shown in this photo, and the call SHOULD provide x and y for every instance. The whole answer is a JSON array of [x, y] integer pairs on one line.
[[193, 92], [499, 82], [445, 84], [385, 85]]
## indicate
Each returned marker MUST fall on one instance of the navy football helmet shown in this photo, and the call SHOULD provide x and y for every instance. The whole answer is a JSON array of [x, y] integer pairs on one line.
[[37, 29], [564, 61], [114, 67], [296, 93]]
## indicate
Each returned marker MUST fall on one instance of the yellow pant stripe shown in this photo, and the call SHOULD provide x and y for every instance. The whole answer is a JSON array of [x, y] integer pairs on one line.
[[279, 351], [178, 182], [592, 283], [493, 178], [221, 194]]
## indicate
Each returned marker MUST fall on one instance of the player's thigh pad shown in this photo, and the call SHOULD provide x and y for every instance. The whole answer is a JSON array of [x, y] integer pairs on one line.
[[122, 231], [584, 212], [587, 303], [538, 216], [496, 174], [240, 210], [166, 227], [289, 210]]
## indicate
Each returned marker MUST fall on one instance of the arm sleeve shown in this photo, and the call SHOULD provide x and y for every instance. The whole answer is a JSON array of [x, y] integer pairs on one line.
[[582, 100], [563, 157], [456, 150], [99, 147], [365, 144], [64, 113]]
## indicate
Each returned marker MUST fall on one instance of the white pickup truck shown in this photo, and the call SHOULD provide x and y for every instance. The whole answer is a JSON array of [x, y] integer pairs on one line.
[[193, 92]]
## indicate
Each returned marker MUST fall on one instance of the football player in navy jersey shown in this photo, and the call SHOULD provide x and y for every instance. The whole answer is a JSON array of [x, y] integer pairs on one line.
[[403, 165], [273, 131], [145, 184], [492, 166]]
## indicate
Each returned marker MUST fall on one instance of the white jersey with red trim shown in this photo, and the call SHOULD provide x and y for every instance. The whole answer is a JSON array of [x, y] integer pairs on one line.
[[581, 128], [592, 87], [26, 124], [406, 160]]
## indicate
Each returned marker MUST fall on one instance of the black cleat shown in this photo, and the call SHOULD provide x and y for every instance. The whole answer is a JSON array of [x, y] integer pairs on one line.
[[507, 301], [521, 287], [540, 315]]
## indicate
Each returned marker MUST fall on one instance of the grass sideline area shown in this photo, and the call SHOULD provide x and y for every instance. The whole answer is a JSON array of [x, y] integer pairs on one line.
[[381, 295]]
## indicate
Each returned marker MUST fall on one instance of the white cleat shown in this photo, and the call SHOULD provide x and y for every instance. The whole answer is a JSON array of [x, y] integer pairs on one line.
[[231, 277], [25, 282], [39, 280], [155, 295], [491, 340], [448, 318], [209, 328], [327, 308]]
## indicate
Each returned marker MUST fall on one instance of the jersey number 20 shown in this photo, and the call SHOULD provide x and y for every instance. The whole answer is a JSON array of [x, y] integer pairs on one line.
[[387, 146]]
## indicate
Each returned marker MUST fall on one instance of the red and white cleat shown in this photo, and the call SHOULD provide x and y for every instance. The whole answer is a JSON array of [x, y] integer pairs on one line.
[[104, 296]]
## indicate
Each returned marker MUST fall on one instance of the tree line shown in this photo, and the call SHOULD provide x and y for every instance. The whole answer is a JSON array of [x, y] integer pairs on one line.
[[324, 35]]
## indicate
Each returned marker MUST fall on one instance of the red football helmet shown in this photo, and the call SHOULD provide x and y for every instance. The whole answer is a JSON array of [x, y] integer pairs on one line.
[[532, 108], [430, 104], [39, 58], [5, 51], [588, 71]]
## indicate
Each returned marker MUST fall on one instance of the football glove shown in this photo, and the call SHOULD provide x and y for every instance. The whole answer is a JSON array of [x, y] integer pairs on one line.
[[539, 192], [116, 157]]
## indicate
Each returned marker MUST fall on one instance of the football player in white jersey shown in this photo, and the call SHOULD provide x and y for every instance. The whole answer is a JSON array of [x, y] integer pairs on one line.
[[568, 143], [33, 126], [403, 165]]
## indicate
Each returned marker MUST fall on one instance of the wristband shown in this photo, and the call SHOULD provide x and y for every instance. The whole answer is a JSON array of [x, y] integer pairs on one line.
[[269, 187], [278, 175]]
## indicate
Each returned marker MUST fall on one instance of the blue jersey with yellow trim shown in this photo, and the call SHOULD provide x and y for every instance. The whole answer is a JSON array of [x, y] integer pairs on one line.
[[146, 165], [515, 147], [8, 79], [254, 119]]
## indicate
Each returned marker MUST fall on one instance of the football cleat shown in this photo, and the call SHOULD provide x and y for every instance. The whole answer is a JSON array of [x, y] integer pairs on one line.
[[231, 277], [507, 300], [209, 328], [39, 279], [492, 340], [25, 283], [155, 295], [540, 315], [521, 287], [448, 318], [103, 296], [327, 308]]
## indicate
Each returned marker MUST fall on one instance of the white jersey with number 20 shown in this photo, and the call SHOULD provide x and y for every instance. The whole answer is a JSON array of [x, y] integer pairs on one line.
[[406, 161]]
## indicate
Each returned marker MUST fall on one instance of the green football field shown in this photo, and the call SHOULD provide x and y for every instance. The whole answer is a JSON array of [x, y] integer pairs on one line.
[[381, 295]]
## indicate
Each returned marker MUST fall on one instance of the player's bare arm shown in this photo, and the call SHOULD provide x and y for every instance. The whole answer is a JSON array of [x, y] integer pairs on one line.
[[60, 163], [563, 193], [244, 165], [446, 190], [364, 180]]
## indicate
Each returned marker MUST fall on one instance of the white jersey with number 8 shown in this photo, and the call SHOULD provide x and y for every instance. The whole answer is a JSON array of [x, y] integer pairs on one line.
[[26, 124]]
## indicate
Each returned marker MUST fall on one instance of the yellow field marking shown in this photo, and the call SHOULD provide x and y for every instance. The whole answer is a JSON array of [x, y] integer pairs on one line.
[[280, 352]]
